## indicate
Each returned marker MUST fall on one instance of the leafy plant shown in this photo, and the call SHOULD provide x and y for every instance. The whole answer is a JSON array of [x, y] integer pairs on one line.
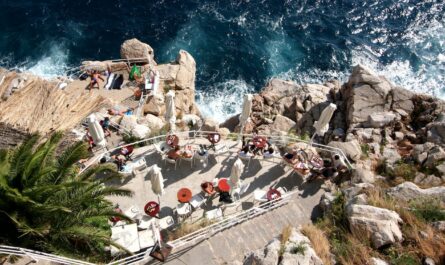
[[46, 205], [299, 249], [365, 150], [429, 210]]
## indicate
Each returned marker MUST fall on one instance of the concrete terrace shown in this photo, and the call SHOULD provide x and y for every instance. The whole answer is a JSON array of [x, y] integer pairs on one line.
[[261, 174]]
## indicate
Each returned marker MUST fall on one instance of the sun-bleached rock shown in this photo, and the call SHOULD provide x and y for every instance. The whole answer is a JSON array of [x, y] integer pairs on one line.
[[380, 225], [135, 49], [351, 149], [282, 124], [408, 191], [381, 119]]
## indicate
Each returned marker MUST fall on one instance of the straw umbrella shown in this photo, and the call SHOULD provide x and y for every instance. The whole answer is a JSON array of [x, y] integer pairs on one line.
[[96, 131], [170, 109], [235, 174], [157, 181], [247, 109], [322, 125]]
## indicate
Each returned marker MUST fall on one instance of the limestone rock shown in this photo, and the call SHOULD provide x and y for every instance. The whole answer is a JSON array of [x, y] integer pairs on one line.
[[308, 257], [408, 191], [435, 155], [326, 201], [436, 132], [441, 169], [267, 257], [356, 189], [430, 180], [377, 261], [282, 123], [402, 100], [155, 105], [224, 132], [390, 155], [192, 119], [153, 122], [439, 225], [360, 175], [134, 48], [351, 149], [231, 123], [140, 131], [277, 89], [367, 93], [185, 78], [210, 125], [381, 225], [381, 119]]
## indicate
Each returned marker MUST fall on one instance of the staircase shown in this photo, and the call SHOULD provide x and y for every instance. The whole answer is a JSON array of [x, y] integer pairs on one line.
[[230, 246]]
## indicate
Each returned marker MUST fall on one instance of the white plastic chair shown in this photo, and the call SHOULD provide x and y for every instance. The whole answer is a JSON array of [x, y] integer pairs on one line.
[[134, 212], [183, 210], [260, 195], [282, 190], [189, 159], [197, 200], [170, 161], [214, 214], [166, 222]]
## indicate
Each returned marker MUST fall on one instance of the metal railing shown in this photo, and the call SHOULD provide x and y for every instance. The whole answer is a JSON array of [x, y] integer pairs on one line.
[[37, 255]]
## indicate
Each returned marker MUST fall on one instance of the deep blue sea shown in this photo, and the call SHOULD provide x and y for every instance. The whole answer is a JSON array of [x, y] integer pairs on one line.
[[237, 44]]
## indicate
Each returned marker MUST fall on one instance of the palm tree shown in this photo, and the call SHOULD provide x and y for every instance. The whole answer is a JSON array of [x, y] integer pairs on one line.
[[46, 204]]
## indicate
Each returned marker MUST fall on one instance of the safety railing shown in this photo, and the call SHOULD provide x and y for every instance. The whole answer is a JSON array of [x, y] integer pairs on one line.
[[37, 255], [187, 135]]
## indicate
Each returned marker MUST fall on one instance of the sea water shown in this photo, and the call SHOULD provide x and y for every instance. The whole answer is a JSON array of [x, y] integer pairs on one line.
[[238, 45]]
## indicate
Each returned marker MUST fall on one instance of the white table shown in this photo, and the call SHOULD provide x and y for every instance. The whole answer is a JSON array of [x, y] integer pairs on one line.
[[126, 236], [146, 238], [134, 212]]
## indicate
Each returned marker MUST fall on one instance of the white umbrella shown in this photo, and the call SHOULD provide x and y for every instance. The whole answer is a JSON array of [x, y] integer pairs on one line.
[[170, 109], [235, 174], [157, 181], [96, 131], [322, 125], [247, 109]]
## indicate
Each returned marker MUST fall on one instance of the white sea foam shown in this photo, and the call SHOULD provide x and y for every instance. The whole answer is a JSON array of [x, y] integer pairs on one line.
[[223, 100]]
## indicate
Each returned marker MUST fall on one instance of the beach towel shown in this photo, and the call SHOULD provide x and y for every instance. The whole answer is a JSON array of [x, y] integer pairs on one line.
[[110, 80], [135, 70], [117, 82]]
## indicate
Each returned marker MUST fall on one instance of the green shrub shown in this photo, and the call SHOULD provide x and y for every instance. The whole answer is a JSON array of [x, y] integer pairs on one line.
[[129, 138], [397, 258], [298, 249], [365, 150], [429, 210], [405, 171]]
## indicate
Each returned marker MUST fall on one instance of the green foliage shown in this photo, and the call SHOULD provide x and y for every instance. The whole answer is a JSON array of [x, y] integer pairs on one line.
[[401, 170], [299, 249], [46, 205], [405, 171], [397, 258], [129, 138], [429, 210], [365, 150]]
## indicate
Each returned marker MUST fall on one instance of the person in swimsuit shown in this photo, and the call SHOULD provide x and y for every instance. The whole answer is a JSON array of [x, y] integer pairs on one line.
[[95, 76]]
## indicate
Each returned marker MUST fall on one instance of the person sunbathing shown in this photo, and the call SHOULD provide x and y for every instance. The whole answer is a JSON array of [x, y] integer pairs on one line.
[[116, 112], [95, 76]]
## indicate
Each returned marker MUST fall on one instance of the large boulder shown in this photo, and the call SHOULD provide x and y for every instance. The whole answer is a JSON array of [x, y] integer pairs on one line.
[[435, 155], [436, 132], [268, 256], [367, 93], [155, 105], [381, 119], [185, 78], [351, 149], [135, 49], [306, 256], [282, 123], [210, 125], [361, 175], [153, 122], [402, 100], [380, 225], [409, 191]]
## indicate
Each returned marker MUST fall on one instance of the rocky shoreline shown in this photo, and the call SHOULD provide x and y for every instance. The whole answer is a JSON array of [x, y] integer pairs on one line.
[[395, 137]]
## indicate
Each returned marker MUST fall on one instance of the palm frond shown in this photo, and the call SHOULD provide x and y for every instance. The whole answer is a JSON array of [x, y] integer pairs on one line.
[[101, 168]]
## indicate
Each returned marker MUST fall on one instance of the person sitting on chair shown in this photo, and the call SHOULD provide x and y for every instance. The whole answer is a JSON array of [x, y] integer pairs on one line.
[[269, 152], [174, 153], [208, 188], [291, 157]]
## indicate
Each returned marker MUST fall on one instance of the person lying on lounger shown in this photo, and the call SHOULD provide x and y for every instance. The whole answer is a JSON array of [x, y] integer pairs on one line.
[[115, 112]]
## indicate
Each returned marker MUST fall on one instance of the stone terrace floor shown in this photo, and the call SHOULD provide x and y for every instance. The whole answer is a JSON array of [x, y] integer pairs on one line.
[[261, 174]]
